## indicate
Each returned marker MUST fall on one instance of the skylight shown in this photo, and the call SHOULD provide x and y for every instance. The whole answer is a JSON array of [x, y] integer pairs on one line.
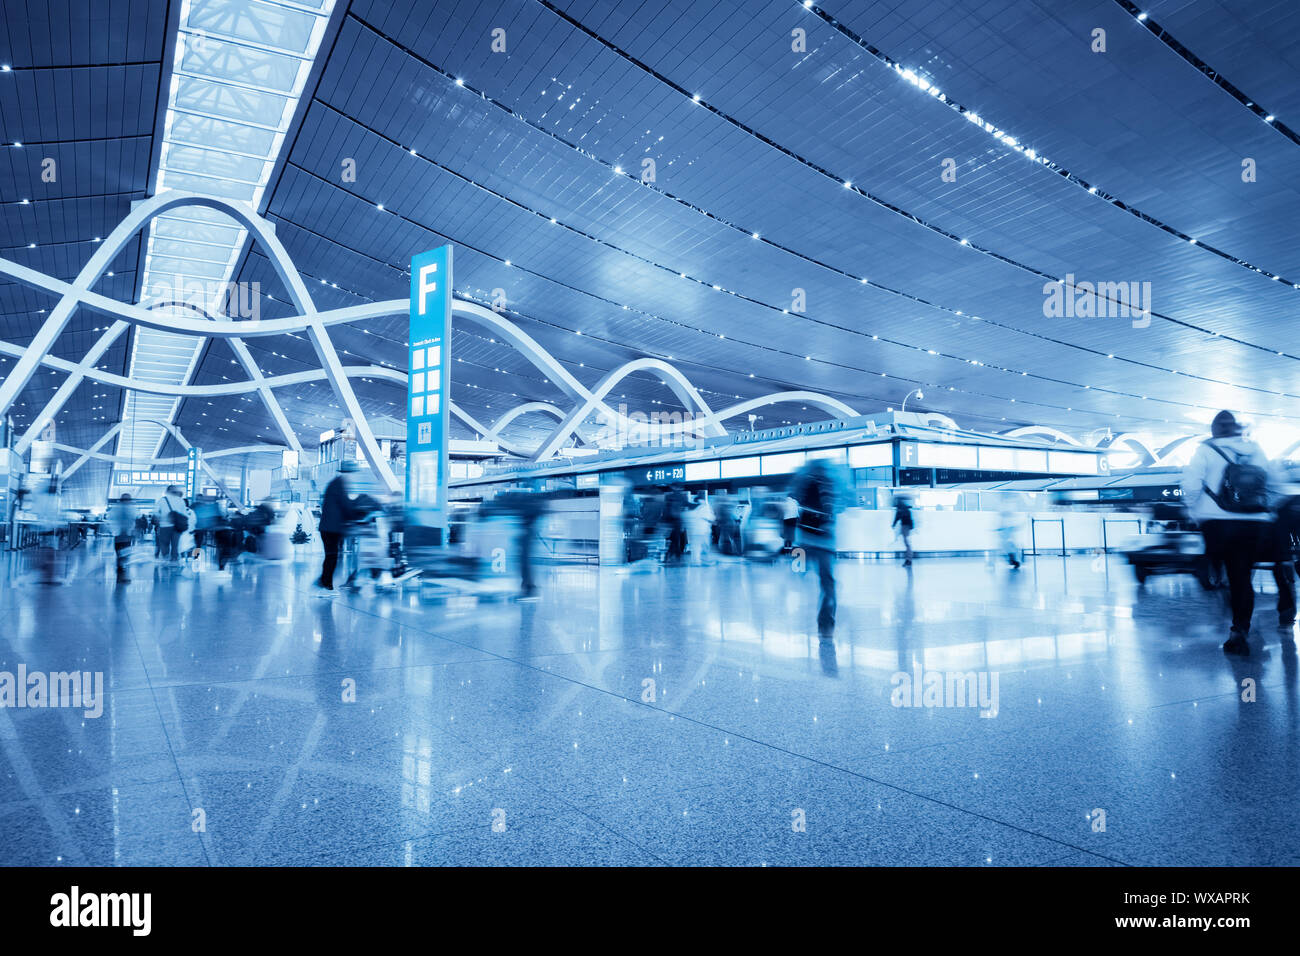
[[239, 70]]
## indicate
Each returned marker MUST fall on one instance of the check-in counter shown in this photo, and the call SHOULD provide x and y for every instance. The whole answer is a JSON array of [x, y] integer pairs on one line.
[[571, 528], [868, 531]]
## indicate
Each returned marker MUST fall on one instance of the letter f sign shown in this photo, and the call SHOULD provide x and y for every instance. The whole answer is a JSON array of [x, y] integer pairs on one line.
[[427, 285]]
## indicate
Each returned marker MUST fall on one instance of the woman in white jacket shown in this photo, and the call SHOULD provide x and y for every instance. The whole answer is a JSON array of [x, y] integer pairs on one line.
[[699, 529]]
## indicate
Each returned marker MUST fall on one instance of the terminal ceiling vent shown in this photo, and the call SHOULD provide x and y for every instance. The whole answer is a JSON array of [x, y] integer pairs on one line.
[[239, 69]]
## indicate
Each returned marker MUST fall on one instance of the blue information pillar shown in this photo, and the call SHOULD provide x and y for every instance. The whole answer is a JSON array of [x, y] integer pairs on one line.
[[427, 418], [192, 464]]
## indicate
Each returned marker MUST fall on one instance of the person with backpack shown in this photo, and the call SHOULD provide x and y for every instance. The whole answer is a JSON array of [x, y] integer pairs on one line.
[[1229, 487], [814, 489], [172, 523]]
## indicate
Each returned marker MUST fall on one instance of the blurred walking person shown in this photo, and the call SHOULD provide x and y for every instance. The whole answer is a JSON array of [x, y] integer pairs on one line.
[[815, 489], [49, 518], [1230, 488], [336, 513], [675, 505], [121, 519], [904, 522], [528, 506], [1007, 542], [789, 522], [699, 529], [172, 521]]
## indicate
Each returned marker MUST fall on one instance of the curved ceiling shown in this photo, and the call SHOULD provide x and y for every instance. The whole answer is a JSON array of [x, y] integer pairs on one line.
[[782, 179]]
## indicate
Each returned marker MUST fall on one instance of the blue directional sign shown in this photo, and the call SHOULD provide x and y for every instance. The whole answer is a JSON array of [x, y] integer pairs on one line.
[[429, 360], [192, 460]]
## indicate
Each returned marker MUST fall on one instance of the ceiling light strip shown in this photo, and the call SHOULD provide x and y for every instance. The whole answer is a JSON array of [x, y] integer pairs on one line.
[[805, 316], [877, 200], [1208, 71], [914, 77], [758, 237]]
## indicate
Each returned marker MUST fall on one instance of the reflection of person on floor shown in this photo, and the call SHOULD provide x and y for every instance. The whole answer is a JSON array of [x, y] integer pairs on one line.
[[1230, 488]]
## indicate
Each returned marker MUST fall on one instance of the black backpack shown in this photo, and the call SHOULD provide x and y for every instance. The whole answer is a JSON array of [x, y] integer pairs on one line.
[[813, 509], [1244, 488], [179, 521]]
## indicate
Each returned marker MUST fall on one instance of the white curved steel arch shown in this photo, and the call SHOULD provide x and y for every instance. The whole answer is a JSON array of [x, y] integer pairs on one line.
[[314, 323], [595, 399], [544, 361], [1163, 455], [1147, 456], [178, 460], [94, 452], [1026, 431], [141, 214], [943, 421], [524, 409], [489, 432]]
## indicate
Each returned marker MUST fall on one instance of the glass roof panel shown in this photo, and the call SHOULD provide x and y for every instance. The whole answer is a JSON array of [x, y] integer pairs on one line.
[[222, 60], [207, 162], [254, 22], [210, 186], [188, 128], [231, 102]]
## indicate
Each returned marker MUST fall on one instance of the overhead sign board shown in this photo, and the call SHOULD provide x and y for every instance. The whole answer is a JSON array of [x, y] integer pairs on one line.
[[127, 478], [658, 474]]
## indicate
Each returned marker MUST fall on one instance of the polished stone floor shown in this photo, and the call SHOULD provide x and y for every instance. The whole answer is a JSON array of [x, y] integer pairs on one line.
[[683, 716]]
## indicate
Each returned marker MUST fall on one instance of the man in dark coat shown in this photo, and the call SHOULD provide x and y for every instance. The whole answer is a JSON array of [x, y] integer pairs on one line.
[[335, 512]]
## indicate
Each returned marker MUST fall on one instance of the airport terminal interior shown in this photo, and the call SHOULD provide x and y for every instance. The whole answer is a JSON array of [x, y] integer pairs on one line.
[[595, 432]]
